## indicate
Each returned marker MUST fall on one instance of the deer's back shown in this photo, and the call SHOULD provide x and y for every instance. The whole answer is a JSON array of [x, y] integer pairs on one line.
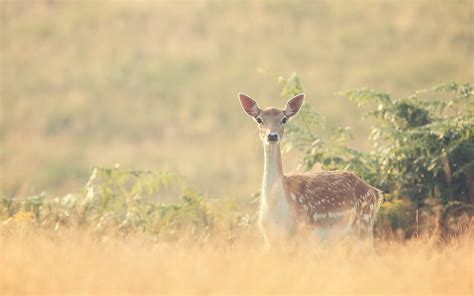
[[331, 195]]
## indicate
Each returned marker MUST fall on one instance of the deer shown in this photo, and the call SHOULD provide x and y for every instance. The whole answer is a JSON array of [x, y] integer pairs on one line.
[[328, 203]]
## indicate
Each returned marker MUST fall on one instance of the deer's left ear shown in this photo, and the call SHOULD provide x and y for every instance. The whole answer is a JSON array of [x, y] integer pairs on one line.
[[294, 104], [249, 105]]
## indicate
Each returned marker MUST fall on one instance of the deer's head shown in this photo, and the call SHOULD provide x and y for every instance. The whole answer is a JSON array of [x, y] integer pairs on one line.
[[271, 121]]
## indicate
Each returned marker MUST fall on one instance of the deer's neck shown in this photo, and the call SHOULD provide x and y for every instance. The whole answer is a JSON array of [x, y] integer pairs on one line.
[[273, 185]]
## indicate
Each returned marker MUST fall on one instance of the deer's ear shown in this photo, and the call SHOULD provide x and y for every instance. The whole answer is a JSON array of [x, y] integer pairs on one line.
[[294, 104], [249, 105]]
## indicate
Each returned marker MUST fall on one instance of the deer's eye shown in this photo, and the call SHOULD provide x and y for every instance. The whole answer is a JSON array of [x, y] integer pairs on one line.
[[284, 120], [259, 120]]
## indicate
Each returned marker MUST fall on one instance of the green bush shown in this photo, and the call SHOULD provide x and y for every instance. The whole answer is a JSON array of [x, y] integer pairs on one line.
[[394, 217], [121, 202], [423, 144]]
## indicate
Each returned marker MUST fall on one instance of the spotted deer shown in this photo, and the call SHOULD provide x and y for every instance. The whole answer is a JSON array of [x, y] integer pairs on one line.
[[327, 203]]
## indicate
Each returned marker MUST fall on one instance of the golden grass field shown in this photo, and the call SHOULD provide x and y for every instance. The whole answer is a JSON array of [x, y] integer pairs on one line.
[[72, 262]]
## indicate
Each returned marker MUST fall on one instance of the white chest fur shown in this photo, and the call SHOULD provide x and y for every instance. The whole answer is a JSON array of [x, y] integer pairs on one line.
[[274, 206], [275, 213]]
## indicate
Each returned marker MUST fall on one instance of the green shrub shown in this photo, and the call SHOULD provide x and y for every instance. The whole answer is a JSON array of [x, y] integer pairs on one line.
[[394, 217], [122, 202], [423, 145]]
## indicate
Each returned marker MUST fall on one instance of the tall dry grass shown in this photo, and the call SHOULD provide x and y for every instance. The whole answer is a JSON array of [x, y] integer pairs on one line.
[[74, 262]]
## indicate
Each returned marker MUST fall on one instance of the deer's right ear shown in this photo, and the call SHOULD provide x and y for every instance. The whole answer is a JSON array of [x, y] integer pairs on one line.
[[294, 105], [249, 105]]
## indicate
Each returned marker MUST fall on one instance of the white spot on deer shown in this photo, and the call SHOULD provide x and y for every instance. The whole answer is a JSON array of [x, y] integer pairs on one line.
[[293, 197], [318, 216], [366, 217]]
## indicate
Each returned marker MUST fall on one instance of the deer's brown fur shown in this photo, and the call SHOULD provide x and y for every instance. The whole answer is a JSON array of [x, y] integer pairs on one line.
[[325, 198]]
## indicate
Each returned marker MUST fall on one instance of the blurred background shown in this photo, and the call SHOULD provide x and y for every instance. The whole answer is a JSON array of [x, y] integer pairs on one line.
[[153, 84]]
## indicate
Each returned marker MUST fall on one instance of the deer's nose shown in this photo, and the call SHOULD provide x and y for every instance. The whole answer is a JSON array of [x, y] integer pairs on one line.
[[272, 137]]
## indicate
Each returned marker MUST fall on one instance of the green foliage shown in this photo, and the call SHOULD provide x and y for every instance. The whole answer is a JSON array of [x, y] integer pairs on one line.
[[117, 201], [119, 190], [394, 215], [291, 86], [423, 145], [329, 148]]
